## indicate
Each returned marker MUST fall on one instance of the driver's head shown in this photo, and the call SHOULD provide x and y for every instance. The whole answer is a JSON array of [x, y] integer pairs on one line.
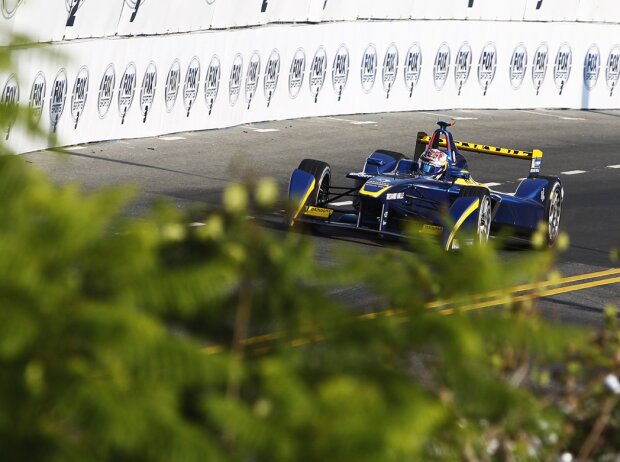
[[433, 163]]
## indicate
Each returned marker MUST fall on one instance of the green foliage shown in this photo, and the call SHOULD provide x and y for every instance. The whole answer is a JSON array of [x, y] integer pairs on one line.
[[148, 340]]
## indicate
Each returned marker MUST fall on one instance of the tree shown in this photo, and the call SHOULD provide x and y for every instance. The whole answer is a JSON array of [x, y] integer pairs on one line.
[[146, 339]]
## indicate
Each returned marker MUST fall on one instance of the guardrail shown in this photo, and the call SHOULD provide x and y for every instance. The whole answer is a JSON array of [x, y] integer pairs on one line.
[[146, 86]]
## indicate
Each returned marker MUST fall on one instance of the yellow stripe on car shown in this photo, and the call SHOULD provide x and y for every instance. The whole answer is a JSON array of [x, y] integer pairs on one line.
[[375, 193], [303, 202], [471, 209]]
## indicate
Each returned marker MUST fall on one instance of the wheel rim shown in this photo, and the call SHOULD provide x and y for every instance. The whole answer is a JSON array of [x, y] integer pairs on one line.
[[484, 220], [323, 194], [555, 211]]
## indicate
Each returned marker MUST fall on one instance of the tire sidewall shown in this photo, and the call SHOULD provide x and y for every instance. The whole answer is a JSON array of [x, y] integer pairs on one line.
[[555, 185], [485, 198]]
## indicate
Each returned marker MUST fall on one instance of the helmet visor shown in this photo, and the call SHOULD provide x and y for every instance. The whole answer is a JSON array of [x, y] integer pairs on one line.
[[428, 169]]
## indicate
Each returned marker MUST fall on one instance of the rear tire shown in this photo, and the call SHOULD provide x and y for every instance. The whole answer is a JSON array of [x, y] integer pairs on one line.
[[484, 219], [554, 196]]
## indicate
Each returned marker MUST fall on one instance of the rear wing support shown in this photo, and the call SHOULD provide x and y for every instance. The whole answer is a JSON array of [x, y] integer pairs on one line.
[[535, 157]]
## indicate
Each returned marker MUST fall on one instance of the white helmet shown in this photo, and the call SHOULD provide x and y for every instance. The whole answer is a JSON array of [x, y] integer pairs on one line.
[[433, 163]]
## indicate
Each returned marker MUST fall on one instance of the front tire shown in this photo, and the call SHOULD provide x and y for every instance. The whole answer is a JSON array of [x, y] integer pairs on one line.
[[485, 211], [322, 176]]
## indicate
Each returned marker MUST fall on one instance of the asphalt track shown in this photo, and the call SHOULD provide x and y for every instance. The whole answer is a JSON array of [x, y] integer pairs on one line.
[[580, 146]]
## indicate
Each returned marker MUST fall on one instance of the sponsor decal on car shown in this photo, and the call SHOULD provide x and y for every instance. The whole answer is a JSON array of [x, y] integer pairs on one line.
[[317, 212], [441, 66], [431, 229], [340, 70], [518, 66], [378, 182], [394, 196]]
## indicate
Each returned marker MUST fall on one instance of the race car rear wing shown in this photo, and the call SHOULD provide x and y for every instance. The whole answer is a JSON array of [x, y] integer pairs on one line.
[[535, 157]]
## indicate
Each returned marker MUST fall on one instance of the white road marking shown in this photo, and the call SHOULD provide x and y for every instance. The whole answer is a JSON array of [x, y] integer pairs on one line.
[[171, 138], [573, 172], [352, 122], [490, 185], [340, 204], [613, 166], [76, 148], [261, 130], [521, 179], [196, 224], [448, 117], [542, 113]]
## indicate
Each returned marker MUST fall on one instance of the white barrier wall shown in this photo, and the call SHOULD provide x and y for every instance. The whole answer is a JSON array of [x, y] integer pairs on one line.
[[147, 86], [57, 20]]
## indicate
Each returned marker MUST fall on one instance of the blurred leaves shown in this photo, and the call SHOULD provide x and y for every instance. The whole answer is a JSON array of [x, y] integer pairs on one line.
[[152, 340]]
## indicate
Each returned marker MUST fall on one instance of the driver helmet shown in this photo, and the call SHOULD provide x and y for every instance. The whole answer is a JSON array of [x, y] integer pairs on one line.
[[433, 163]]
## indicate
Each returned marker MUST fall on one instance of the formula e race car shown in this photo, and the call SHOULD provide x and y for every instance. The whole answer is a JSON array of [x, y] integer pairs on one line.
[[395, 196]]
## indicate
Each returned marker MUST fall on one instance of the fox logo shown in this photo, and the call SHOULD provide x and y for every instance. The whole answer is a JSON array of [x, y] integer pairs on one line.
[[390, 69], [192, 82], [340, 70], [272, 74], [212, 82], [441, 67], [369, 68]]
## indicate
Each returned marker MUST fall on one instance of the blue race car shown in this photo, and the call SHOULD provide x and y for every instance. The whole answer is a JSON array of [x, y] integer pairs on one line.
[[433, 193]]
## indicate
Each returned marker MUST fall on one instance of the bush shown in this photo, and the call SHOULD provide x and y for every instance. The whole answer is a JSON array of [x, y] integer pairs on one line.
[[146, 339]]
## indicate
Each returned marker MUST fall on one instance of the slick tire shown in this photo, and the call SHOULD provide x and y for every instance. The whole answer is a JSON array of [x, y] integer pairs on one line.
[[484, 213], [554, 196], [322, 175]]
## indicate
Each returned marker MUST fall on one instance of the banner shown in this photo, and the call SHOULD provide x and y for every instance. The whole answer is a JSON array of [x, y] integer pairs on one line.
[[57, 20], [96, 90]]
